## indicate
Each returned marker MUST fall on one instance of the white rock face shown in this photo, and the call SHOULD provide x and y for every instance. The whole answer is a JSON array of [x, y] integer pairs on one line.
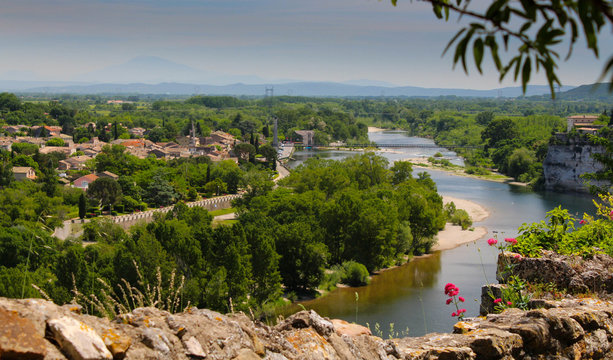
[[78, 340], [565, 163], [193, 348]]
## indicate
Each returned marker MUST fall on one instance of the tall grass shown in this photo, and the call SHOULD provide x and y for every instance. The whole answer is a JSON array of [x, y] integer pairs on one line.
[[126, 297]]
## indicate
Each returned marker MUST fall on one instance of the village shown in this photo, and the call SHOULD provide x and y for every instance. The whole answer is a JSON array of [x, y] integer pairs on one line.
[[78, 156]]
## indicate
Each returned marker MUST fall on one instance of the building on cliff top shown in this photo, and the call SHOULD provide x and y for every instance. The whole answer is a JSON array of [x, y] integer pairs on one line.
[[580, 122]]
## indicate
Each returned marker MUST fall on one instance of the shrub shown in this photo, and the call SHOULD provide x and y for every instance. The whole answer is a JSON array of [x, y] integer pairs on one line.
[[355, 274], [461, 217], [474, 170]]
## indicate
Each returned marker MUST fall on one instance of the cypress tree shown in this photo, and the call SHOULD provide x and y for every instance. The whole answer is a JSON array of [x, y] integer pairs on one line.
[[82, 206]]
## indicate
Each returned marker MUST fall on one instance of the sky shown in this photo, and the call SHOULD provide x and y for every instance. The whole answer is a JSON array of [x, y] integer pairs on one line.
[[313, 40]]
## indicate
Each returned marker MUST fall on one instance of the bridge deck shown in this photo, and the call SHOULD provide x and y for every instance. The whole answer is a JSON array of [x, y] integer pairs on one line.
[[419, 146]]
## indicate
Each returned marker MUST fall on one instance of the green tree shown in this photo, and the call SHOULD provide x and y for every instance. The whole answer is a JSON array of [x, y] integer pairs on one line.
[[244, 151], [484, 118], [24, 148], [55, 142], [520, 161], [106, 190], [232, 253], [499, 130], [9, 102], [402, 171], [270, 154], [82, 206], [6, 172], [216, 187], [303, 259], [160, 192]]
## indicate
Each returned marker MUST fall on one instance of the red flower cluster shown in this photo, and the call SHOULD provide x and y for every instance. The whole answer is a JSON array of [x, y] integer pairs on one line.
[[492, 242], [458, 313], [452, 291], [511, 241]]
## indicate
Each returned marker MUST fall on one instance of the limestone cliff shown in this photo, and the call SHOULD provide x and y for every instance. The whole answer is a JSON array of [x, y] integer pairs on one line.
[[568, 157]]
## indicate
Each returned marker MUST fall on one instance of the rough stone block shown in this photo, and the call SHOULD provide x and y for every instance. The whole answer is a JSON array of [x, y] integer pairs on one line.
[[77, 340], [19, 338]]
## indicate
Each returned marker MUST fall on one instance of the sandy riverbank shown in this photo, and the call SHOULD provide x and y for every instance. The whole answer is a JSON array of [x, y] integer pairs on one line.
[[372, 129], [423, 163], [453, 235]]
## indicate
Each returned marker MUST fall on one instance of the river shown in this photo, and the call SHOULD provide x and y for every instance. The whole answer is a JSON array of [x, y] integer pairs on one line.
[[411, 296]]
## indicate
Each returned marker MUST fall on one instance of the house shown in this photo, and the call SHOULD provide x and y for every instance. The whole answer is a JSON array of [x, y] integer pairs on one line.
[[133, 143], [30, 140], [6, 143], [61, 149], [24, 173], [12, 129], [222, 138], [108, 174], [84, 181], [50, 131], [137, 132], [158, 153], [580, 121], [91, 153], [73, 163]]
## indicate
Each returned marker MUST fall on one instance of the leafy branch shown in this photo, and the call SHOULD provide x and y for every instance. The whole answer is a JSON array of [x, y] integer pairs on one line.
[[505, 20]]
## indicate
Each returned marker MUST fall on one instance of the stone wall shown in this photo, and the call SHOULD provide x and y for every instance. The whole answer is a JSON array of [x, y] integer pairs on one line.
[[567, 159], [127, 221], [38, 329]]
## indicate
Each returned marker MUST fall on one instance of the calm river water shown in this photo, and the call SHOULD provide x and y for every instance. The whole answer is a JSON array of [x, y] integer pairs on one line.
[[411, 296]]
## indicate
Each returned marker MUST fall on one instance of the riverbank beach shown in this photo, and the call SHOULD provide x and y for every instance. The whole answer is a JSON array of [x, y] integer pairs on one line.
[[453, 235], [372, 129]]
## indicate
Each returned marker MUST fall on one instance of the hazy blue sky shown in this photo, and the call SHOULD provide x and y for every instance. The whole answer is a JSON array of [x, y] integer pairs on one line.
[[315, 40]]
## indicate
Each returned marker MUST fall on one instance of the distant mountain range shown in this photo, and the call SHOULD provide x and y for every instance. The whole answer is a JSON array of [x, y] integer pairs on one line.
[[598, 91], [294, 89], [158, 76]]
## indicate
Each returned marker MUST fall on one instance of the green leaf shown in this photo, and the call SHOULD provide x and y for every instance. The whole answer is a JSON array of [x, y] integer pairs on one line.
[[394, 2], [478, 53], [530, 8], [525, 74], [453, 39], [437, 11], [517, 62], [494, 8], [525, 27]]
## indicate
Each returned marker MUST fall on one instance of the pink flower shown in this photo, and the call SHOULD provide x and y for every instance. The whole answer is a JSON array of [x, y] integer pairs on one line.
[[451, 289], [461, 311], [449, 301], [517, 256], [454, 314], [461, 299], [611, 214], [499, 300], [492, 242], [582, 222], [511, 240], [509, 303]]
